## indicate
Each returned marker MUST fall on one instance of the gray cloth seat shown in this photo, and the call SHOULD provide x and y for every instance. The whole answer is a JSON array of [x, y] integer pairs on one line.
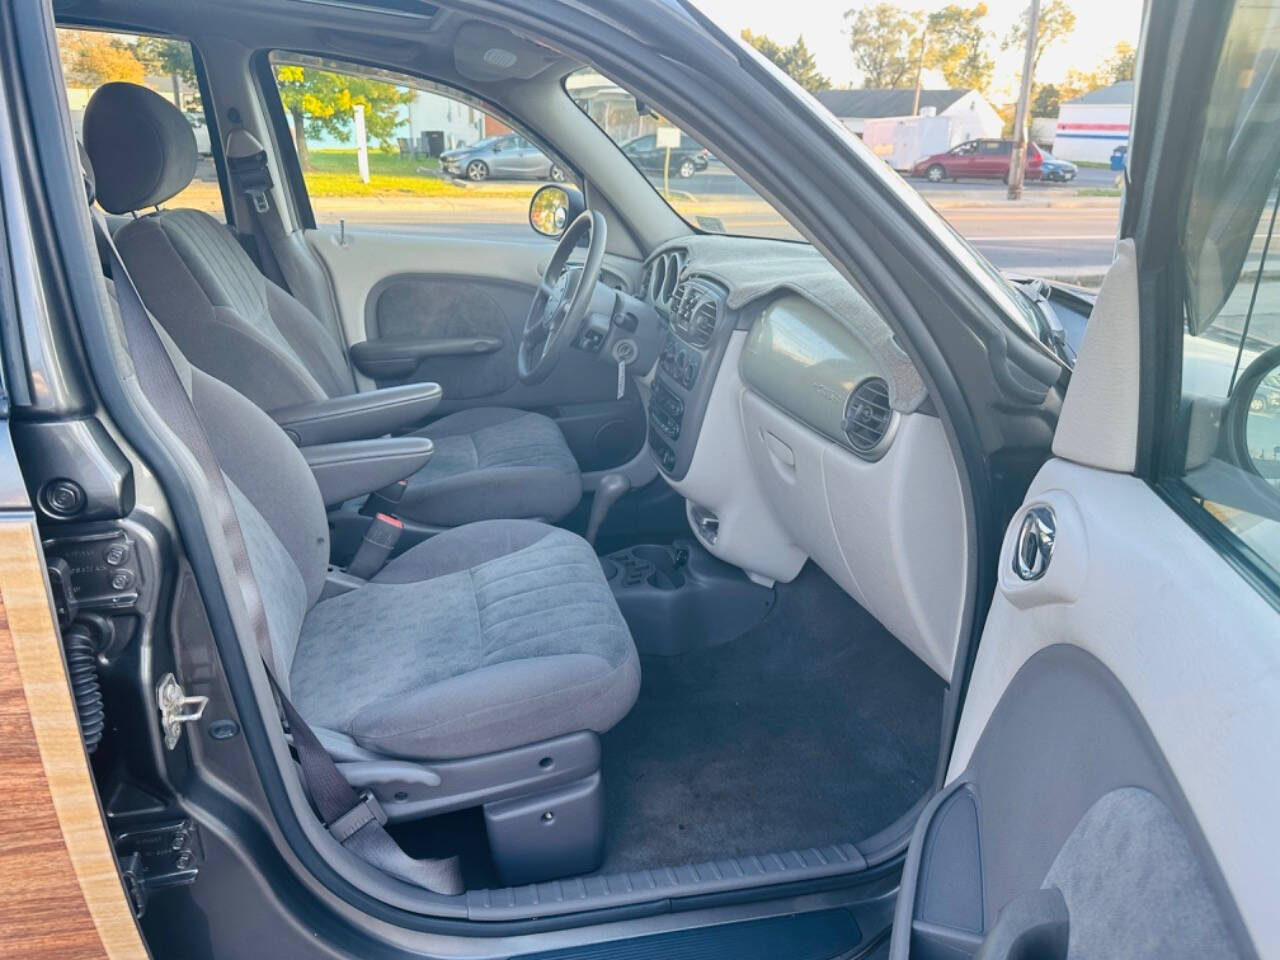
[[492, 635], [236, 325], [486, 637]]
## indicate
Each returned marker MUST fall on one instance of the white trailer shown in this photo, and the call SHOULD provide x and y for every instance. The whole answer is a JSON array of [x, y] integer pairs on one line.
[[901, 141]]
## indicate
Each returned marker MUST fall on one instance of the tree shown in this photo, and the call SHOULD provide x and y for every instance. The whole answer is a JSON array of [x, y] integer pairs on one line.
[[320, 102], [1121, 64], [90, 58], [885, 41], [1046, 101], [1056, 22], [795, 60], [956, 45], [171, 58]]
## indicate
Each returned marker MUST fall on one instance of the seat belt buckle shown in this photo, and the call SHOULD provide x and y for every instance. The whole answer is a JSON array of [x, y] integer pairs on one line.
[[385, 499], [259, 200], [379, 540], [365, 812]]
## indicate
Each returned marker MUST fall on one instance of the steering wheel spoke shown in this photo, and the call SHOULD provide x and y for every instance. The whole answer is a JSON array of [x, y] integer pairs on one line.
[[561, 299]]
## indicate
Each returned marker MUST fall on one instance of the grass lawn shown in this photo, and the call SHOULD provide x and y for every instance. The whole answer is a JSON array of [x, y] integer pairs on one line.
[[333, 174], [1098, 192]]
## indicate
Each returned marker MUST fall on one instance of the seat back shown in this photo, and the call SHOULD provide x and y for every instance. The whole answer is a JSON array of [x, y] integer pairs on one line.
[[222, 313]]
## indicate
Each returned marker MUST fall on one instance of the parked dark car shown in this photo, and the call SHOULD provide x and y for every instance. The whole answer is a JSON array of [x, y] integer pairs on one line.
[[977, 159], [1055, 170], [686, 160]]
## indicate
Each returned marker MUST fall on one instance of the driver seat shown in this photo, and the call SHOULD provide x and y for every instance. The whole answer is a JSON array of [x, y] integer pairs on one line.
[[237, 326]]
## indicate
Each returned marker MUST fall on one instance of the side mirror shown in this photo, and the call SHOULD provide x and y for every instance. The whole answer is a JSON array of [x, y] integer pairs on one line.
[[1253, 418], [555, 206], [1262, 426]]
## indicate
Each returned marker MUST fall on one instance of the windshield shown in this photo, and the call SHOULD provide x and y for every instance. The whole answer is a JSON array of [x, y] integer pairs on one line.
[[694, 182]]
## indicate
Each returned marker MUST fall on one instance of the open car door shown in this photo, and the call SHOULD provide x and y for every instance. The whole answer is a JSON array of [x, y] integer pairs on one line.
[[1112, 787]]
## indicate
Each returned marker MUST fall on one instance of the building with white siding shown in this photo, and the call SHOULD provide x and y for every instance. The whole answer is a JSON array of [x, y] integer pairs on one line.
[[1092, 126]]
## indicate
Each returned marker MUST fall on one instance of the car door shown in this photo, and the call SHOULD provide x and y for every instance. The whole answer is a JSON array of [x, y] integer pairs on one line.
[[642, 151], [1111, 788], [962, 160], [435, 277], [992, 158]]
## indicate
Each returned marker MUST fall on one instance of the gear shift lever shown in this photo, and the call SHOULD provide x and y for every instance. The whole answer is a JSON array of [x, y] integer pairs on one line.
[[609, 490]]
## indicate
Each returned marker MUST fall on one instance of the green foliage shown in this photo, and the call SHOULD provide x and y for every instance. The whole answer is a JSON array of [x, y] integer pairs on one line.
[[795, 60], [321, 103], [1046, 101], [885, 42], [956, 41], [166, 57], [1121, 64], [1056, 22]]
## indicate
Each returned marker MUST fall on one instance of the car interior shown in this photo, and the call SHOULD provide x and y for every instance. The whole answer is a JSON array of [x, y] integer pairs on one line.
[[545, 534]]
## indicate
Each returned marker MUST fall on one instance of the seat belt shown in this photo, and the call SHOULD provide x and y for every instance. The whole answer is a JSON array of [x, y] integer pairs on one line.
[[247, 165], [354, 819]]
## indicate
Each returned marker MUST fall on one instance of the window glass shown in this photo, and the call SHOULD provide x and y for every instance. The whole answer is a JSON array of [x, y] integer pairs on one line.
[[431, 159], [1231, 344], [689, 177], [91, 58]]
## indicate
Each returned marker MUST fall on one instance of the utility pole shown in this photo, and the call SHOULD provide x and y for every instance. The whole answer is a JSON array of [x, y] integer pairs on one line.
[[924, 39], [1018, 159]]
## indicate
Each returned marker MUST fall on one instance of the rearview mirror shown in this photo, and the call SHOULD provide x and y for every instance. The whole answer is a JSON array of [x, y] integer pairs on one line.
[[555, 206]]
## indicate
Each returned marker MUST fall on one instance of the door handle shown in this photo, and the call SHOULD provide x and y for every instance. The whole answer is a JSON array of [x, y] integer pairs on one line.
[[1034, 547]]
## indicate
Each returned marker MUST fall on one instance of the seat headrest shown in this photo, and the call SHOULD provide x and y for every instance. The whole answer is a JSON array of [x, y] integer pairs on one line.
[[86, 171], [142, 147]]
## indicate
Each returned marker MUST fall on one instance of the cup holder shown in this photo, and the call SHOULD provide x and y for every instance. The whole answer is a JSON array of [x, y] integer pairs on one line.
[[666, 563]]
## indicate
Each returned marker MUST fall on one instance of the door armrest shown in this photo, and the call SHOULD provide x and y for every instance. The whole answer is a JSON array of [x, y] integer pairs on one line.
[[359, 416], [358, 467], [393, 358]]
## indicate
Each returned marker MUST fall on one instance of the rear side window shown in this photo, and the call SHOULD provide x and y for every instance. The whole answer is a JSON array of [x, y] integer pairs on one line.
[[1230, 400], [383, 150], [91, 58]]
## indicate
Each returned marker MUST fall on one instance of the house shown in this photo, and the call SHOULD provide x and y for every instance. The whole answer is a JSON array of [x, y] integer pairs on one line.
[[458, 123], [971, 115], [1093, 125]]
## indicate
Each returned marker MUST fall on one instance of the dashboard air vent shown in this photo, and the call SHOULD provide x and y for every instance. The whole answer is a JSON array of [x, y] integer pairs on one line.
[[867, 415], [693, 314]]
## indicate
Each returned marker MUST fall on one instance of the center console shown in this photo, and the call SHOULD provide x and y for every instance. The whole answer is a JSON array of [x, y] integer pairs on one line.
[[697, 334]]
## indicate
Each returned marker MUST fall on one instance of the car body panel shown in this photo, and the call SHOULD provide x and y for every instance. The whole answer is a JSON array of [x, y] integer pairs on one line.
[[986, 159]]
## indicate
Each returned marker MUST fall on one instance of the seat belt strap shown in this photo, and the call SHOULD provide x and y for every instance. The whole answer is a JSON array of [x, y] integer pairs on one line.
[[355, 820], [252, 177]]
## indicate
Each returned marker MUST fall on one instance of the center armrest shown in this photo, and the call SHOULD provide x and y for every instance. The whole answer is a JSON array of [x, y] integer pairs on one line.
[[359, 416], [358, 467]]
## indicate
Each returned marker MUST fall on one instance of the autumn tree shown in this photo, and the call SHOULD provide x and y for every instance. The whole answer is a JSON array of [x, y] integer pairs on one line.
[[955, 40], [1047, 100], [794, 60], [1121, 64], [168, 58], [321, 102], [1056, 22], [90, 58], [885, 42]]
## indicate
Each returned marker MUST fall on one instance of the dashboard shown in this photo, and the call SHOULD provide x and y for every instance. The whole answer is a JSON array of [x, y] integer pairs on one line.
[[791, 422]]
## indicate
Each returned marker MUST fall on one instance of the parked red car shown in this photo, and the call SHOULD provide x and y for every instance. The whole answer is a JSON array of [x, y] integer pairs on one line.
[[986, 159]]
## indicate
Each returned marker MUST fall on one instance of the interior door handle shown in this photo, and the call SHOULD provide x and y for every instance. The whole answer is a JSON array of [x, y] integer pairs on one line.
[[1034, 547]]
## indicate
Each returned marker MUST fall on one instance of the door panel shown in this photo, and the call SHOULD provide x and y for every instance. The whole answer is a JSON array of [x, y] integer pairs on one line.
[[436, 285], [1117, 730]]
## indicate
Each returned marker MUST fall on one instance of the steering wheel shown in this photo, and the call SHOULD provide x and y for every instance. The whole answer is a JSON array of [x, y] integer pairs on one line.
[[561, 301]]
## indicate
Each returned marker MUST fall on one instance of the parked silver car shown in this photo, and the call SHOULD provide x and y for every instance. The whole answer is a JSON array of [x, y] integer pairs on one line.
[[505, 155]]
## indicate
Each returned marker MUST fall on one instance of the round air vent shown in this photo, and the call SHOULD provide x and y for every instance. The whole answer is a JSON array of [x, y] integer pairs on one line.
[[868, 416]]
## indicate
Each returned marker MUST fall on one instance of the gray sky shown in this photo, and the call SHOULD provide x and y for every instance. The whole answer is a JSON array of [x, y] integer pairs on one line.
[[1100, 24]]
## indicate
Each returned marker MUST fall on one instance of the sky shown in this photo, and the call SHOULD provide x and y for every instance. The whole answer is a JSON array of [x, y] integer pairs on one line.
[[1100, 25]]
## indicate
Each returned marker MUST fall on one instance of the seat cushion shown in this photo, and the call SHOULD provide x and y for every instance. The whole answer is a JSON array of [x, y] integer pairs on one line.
[[486, 637], [493, 462]]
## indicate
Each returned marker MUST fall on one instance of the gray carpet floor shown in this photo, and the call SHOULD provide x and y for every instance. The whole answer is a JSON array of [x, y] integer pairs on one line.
[[814, 727]]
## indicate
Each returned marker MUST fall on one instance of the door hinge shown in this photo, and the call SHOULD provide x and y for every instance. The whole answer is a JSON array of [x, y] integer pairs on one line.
[[176, 708], [157, 857]]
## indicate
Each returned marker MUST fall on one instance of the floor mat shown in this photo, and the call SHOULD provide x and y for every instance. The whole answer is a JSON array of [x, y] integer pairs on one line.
[[817, 726]]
